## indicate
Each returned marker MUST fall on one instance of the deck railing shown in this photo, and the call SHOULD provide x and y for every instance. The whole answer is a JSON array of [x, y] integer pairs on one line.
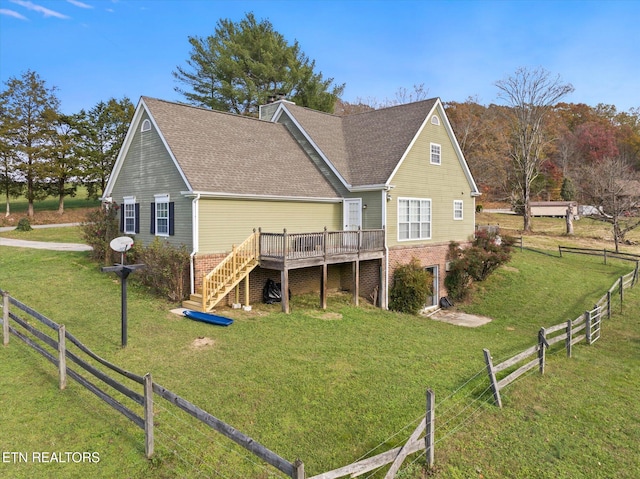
[[323, 244]]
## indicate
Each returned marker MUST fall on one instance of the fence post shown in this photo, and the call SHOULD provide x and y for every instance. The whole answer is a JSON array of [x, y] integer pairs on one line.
[[605, 256], [569, 337], [542, 344], [587, 329], [621, 291], [492, 377], [298, 470], [5, 318], [148, 415], [62, 356], [608, 304], [429, 438], [560, 250]]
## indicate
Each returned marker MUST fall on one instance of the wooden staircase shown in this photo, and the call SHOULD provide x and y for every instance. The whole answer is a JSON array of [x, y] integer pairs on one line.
[[226, 276]]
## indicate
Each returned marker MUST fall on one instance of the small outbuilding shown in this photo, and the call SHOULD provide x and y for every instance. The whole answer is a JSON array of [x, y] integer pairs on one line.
[[554, 209]]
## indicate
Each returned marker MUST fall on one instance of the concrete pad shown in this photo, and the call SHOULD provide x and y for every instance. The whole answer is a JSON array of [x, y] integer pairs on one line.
[[459, 318]]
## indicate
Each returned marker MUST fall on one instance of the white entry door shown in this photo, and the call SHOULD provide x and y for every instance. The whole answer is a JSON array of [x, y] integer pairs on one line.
[[352, 214]]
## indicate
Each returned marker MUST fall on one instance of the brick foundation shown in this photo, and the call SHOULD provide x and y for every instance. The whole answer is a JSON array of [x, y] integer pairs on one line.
[[432, 255]]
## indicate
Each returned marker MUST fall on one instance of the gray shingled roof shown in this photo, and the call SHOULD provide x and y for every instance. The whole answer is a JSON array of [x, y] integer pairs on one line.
[[365, 147], [225, 153]]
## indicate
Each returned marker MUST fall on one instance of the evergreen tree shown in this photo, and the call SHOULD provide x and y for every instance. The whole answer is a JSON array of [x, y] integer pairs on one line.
[[29, 112], [100, 134], [239, 67]]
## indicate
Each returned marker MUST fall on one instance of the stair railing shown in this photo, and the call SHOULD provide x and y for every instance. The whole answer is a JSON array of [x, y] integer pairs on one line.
[[230, 271]]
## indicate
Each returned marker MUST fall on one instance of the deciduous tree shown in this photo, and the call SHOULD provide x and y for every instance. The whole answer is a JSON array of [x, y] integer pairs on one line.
[[530, 96], [612, 186]]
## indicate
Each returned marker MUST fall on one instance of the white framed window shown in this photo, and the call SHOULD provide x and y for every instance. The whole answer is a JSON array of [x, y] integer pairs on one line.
[[162, 215], [129, 217], [435, 120], [414, 219], [436, 154], [146, 125], [457, 209]]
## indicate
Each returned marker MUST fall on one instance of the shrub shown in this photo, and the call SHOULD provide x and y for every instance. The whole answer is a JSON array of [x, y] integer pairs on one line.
[[479, 208], [412, 286], [458, 280], [166, 270], [24, 225], [99, 228], [487, 252]]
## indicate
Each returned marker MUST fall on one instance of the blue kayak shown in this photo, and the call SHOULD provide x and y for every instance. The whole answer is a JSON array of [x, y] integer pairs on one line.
[[208, 318]]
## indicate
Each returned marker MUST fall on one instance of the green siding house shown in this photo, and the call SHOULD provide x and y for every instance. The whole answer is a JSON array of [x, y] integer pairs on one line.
[[309, 199]]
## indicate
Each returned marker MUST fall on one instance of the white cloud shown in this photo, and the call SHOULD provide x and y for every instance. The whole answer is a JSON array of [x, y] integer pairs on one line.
[[11, 13], [38, 8], [79, 4]]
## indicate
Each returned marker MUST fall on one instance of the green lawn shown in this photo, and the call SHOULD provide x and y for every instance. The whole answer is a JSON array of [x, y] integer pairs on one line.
[[50, 203], [328, 387], [70, 234]]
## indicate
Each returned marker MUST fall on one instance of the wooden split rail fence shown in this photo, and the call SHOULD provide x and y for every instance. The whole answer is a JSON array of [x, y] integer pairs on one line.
[[586, 327], [59, 339], [140, 391]]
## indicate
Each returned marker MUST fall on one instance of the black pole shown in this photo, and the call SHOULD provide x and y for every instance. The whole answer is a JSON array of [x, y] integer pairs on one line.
[[123, 272], [123, 307]]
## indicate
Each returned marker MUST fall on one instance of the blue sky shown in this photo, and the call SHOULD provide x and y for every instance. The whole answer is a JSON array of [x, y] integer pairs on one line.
[[93, 50]]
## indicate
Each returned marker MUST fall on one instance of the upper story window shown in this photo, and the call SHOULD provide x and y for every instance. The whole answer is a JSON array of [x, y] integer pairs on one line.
[[436, 154], [457, 209], [146, 125], [130, 216], [435, 120], [414, 219]]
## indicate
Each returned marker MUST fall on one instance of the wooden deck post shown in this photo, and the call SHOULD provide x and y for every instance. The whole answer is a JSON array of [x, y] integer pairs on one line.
[[383, 283], [323, 286], [284, 289], [356, 282], [62, 357], [246, 290], [5, 318]]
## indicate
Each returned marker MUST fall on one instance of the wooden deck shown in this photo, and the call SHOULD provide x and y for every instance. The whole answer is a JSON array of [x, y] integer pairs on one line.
[[285, 251], [282, 251]]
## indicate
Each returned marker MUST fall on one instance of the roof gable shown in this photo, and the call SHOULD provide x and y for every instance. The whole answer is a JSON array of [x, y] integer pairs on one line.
[[366, 149], [227, 154]]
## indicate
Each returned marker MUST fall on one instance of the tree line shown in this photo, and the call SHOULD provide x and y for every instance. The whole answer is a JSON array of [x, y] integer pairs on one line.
[[532, 146], [44, 152]]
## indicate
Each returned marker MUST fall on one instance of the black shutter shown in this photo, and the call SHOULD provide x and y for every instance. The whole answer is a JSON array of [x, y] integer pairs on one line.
[[137, 218], [152, 228], [122, 218], [171, 223]]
